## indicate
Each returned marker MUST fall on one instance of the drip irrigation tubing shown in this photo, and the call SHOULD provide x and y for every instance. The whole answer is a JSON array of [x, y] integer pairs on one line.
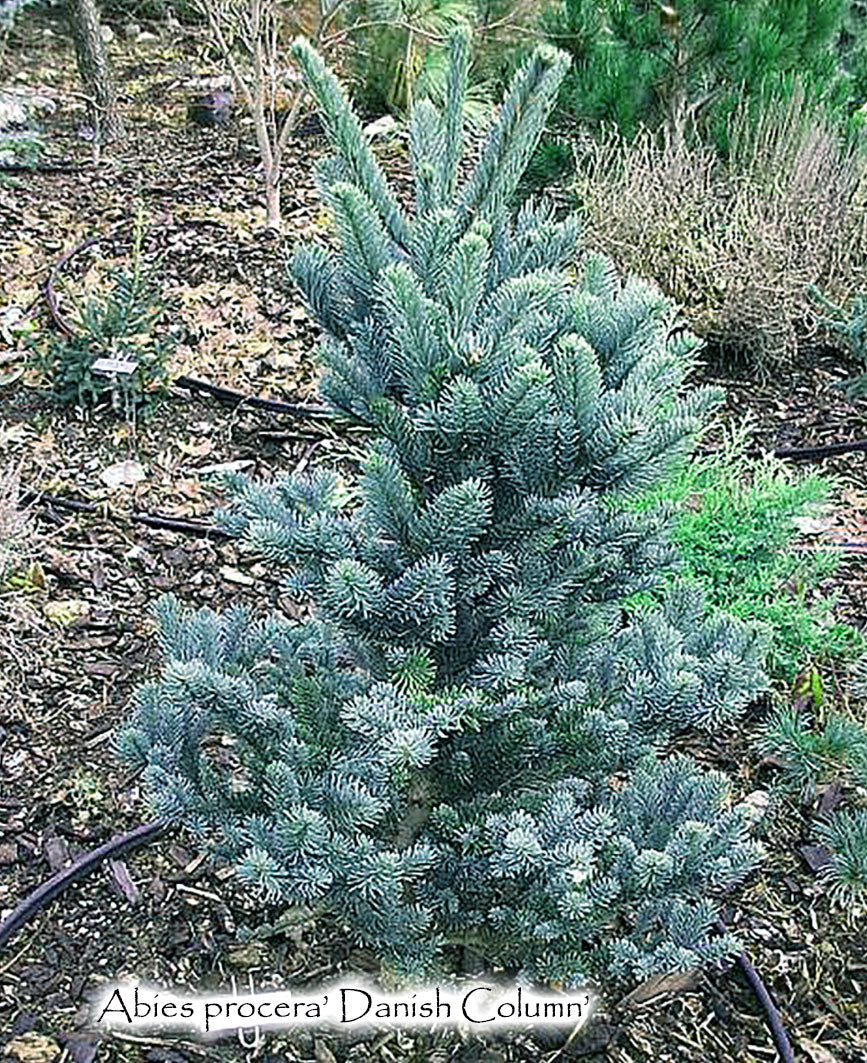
[[151, 520], [826, 450], [45, 167], [297, 409], [772, 1015], [122, 843], [223, 394], [85, 863]]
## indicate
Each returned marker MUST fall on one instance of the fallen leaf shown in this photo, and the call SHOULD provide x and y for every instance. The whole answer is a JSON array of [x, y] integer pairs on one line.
[[832, 796], [122, 474], [226, 466], [11, 376], [232, 575], [813, 525], [322, 1053], [816, 856], [196, 449], [81, 1049], [122, 881], [36, 575], [817, 1053], [66, 611], [656, 985], [32, 1048]]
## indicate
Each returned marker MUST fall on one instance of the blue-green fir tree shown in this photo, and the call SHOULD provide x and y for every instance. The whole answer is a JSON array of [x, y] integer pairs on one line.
[[462, 745]]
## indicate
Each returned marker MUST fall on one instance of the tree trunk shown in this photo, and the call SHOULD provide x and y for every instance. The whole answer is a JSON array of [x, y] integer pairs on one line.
[[273, 218], [94, 70]]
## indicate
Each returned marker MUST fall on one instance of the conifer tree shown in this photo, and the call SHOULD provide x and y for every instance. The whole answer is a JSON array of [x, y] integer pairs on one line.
[[462, 746], [678, 62]]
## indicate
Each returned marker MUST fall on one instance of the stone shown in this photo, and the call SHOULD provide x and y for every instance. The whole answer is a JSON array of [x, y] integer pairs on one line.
[[212, 110]]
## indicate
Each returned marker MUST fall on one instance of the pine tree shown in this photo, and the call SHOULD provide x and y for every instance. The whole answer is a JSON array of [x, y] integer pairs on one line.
[[461, 747], [674, 63]]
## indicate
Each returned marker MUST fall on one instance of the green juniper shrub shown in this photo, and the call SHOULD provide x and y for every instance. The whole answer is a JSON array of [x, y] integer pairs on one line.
[[734, 528], [461, 746]]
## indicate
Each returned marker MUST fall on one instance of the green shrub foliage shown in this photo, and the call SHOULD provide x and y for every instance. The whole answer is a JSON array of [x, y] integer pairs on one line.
[[461, 746], [675, 63], [734, 528]]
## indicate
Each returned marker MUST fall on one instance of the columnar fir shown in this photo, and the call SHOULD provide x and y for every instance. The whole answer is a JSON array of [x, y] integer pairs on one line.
[[461, 746]]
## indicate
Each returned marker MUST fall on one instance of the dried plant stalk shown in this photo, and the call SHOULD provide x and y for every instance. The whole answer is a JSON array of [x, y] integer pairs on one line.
[[737, 243]]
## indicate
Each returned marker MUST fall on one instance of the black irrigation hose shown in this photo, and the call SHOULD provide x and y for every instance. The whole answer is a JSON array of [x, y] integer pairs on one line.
[[121, 843], [303, 410], [772, 1015], [151, 520], [82, 866], [45, 167], [298, 409], [827, 450]]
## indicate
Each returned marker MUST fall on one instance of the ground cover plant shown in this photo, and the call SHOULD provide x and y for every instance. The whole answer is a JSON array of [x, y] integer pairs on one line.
[[431, 758], [816, 752], [124, 323], [735, 528]]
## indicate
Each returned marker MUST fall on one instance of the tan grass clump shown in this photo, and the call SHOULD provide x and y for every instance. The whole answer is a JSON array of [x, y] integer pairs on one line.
[[737, 243]]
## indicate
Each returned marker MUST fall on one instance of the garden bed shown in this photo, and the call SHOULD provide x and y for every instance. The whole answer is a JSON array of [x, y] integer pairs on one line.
[[77, 641]]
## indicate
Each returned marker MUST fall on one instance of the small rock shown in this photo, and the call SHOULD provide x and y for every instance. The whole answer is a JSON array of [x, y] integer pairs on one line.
[[8, 853], [145, 37], [107, 34], [131, 30]]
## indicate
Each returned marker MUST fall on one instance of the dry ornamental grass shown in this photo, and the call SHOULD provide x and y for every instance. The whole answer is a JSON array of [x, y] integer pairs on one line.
[[737, 243]]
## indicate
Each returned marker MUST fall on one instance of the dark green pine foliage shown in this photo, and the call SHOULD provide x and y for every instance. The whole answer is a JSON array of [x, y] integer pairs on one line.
[[679, 62], [460, 748]]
